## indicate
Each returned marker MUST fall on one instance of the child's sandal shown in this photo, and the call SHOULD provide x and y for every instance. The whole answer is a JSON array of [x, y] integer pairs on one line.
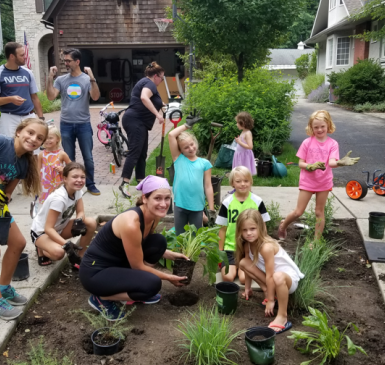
[[43, 260]]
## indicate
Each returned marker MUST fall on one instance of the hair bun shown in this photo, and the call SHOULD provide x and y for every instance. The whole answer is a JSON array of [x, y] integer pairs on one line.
[[150, 65]]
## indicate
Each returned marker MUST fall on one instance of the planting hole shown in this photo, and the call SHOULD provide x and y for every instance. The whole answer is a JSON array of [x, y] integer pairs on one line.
[[183, 298]]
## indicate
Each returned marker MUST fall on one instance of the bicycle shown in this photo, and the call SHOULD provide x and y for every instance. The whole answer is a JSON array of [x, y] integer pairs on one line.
[[111, 135], [357, 189]]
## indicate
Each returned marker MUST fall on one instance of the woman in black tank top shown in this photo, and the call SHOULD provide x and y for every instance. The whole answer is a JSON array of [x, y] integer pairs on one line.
[[118, 264]]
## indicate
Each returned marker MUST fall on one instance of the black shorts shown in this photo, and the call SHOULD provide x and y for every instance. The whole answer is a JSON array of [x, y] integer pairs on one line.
[[35, 236], [230, 257]]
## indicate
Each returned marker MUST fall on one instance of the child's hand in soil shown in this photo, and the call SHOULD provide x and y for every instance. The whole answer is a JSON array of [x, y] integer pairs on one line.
[[347, 161], [175, 280], [247, 293], [269, 310]]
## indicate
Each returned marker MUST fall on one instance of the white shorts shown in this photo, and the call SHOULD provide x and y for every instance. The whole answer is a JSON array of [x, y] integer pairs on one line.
[[9, 123], [294, 285]]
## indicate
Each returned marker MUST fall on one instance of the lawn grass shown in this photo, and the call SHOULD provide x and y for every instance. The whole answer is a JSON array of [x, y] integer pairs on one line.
[[288, 155]]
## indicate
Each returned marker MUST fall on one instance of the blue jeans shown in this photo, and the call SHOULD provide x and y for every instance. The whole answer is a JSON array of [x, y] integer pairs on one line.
[[83, 133]]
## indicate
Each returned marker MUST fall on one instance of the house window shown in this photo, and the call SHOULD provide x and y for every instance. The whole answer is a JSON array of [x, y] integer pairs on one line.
[[332, 4], [329, 49], [47, 3], [343, 50], [374, 29]]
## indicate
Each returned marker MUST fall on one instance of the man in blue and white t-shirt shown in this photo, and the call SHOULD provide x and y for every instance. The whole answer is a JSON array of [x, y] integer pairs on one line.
[[18, 91]]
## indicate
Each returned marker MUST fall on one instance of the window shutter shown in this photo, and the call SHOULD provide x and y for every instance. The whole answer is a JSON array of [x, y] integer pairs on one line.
[[39, 6]]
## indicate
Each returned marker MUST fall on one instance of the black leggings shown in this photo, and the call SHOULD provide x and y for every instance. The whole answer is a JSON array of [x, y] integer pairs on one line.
[[138, 284], [137, 135]]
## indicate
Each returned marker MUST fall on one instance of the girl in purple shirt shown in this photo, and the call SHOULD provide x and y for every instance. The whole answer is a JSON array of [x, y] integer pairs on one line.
[[317, 154]]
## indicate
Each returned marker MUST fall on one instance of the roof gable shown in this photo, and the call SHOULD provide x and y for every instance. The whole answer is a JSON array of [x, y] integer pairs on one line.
[[321, 18], [353, 6]]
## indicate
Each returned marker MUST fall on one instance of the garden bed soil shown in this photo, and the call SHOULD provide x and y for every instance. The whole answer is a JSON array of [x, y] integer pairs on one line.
[[154, 337]]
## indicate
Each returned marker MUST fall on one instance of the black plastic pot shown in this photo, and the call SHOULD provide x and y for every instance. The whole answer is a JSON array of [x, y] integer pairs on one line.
[[227, 297], [264, 168], [104, 349], [171, 173], [376, 225], [22, 268], [262, 350], [5, 223], [184, 267]]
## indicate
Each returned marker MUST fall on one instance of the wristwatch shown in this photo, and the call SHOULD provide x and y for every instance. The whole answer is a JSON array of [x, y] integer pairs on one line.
[[42, 118]]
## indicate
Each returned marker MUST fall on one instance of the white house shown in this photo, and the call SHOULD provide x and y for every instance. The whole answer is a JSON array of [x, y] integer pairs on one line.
[[333, 31]]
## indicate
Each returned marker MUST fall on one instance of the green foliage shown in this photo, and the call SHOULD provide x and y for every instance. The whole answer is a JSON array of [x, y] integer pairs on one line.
[[310, 259], [192, 242], [263, 94], [109, 329], [7, 21], [326, 341], [275, 217], [228, 27], [302, 64], [311, 219], [312, 82], [3, 60], [121, 204], [364, 82], [369, 107], [207, 337], [313, 61], [375, 10], [48, 105], [38, 355]]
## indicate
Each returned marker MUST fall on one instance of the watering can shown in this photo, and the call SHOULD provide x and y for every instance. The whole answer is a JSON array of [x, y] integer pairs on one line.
[[279, 169]]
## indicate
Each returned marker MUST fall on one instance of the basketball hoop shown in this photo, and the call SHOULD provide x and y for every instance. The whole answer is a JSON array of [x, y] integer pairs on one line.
[[162, 24]]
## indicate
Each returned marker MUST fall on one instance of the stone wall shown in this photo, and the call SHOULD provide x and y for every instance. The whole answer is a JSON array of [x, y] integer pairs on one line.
[[26, 19]]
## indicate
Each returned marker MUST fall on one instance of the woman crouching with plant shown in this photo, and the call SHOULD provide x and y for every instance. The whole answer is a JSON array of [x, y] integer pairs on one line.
[[118, 264], [53, 225], [266, 262]]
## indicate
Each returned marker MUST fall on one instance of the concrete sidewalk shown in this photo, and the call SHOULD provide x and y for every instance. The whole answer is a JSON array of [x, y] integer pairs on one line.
[[40, 277]]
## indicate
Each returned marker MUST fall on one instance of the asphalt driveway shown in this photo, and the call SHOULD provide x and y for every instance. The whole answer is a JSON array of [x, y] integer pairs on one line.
[[361, 133]]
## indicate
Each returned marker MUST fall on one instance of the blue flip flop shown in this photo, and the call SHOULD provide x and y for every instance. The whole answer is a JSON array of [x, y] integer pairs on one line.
[[284, 328]]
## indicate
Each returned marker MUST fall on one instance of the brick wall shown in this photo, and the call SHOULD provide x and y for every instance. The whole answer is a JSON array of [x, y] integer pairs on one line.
[[361, 48]]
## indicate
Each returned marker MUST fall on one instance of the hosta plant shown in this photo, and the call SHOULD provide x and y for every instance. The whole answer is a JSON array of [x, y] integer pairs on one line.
[[192, 242], [327, 341]]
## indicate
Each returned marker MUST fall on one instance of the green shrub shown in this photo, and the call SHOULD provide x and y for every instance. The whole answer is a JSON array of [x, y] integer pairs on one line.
[[364, 82], [312, 82], [3, 60], [48, 105], [369, 107], [275, 217], [302, 64], [262, 93], [313, 62], [207, 337]]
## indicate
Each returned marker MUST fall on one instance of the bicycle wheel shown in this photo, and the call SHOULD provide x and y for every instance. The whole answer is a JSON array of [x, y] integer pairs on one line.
[[124, 144], [102, 136], [380, 182], [356, 189], [116, 149]]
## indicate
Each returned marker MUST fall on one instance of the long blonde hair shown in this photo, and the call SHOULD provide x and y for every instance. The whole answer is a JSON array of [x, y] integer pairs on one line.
[[320, 115], [31, 184], [263, 237]]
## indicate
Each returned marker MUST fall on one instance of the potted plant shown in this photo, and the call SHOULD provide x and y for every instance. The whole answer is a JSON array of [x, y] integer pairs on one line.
[[191, 243], [108, 334]]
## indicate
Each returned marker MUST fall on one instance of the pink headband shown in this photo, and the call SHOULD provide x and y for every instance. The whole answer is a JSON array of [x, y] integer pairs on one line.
[[151, 183]]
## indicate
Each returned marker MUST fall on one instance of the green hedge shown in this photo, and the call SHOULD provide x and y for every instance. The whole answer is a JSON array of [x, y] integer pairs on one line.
[[262, 93], [312, 82], [48, 105]]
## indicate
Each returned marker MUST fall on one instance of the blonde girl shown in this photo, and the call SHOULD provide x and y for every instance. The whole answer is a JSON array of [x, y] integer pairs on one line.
[[241, 180], [17, 162], [192, 179], [263, 260], [317, 154], [243, 155]]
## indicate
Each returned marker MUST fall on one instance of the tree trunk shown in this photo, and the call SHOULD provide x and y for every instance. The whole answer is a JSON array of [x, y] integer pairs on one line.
[[240, 61]]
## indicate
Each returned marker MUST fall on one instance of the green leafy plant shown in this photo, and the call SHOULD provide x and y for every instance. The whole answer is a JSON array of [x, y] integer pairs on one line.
[[369, 107], [310, 259], [275, 217], [207, 337], [48, 105], [302, 64], [361, 83], [121, 204], [340, 269], [312, 82], [262, 93], [326, 341], [109, 329], [192, 242], [38, 355]]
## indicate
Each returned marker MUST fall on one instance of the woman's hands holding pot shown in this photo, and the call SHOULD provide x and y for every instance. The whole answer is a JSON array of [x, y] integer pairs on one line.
[[175, 280]]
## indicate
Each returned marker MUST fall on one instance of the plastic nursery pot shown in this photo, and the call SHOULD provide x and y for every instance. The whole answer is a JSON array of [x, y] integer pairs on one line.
[[264, 168], [22, 268], [184, 267], [376, 225], [227, 297], [5, 224], [100, 349], [216, 183], [260, 343]]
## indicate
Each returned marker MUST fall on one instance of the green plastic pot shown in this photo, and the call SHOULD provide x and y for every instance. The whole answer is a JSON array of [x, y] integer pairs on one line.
[[279, 169], [376, 225], [262, 350], [227, 297]]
